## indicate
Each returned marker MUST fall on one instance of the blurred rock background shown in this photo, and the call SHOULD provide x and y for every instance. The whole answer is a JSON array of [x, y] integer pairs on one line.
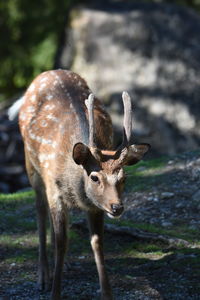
[[150, 49]]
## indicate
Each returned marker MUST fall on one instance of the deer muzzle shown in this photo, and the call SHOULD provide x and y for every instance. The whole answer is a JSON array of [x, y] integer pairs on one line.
[[115, 211]]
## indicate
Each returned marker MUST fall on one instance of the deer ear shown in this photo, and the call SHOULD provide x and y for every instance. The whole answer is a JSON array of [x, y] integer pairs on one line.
[[136, 153], [80, 153]]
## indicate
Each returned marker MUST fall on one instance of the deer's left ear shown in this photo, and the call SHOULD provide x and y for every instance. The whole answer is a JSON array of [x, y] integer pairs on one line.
[[136, 153], [81, 153]]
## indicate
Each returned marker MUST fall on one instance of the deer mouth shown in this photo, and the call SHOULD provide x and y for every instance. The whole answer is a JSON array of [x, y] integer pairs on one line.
[[112, 216]]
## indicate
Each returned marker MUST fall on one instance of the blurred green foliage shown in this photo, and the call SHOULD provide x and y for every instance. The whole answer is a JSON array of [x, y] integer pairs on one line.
[[30, 33], [192, 3]]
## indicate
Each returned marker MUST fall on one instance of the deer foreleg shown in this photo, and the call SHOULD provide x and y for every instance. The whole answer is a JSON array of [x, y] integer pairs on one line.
[[41, 207], [96, 222]]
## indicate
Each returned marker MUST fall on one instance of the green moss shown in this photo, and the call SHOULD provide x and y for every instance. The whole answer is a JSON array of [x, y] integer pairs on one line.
[[79, 244], [143, 175], [16, 198], [180, 231]]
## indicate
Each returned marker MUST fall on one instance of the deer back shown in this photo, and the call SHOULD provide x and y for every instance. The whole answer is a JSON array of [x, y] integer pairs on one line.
[[54, 117]]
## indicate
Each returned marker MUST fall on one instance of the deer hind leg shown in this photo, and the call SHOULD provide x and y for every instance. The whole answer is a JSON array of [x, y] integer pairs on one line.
[[42, 213], [52, 236], [96, 222]]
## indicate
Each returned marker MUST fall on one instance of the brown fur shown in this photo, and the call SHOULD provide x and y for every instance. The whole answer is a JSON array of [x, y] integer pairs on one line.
[[65, 172]]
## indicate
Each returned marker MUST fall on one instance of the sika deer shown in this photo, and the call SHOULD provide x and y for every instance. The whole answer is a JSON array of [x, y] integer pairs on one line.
[[70, 163]]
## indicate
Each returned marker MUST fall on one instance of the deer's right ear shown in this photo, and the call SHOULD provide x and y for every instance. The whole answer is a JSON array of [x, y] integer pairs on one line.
[[81, 153]]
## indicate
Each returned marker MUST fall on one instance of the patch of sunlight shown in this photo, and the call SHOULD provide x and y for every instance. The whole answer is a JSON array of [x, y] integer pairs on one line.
[[14, 240], [147, 255], [27, 195]]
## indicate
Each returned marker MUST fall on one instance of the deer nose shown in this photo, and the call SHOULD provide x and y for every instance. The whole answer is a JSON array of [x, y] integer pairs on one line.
[[117, 209]]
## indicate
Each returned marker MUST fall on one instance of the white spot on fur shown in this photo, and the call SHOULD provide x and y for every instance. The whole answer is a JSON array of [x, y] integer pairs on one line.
[[33, 121], [60, 81], [54, 144], [39, 139], [33, 98], [28, 148], [44, 157], [31, 109], [23, 116], [52, 118], [49, 97], [42, 87], [52, 73], [44, 79], [49, 106], [32, 87], [49, 173], [46, 141], [51, 156], [44, 123], [61, 128], [55, 82], [32, 135], [112, 179], [69, 96], [46, 164]]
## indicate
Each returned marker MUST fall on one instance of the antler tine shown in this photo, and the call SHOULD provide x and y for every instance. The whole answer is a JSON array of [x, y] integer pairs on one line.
[[90, 106], [127, 118]]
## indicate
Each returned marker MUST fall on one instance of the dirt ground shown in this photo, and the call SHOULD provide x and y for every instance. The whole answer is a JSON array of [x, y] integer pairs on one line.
[[174, 276], [138, 269]]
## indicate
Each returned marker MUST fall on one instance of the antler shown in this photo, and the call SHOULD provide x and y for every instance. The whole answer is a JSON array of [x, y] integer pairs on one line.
[[127, 119], [122, 150], [90, 106]]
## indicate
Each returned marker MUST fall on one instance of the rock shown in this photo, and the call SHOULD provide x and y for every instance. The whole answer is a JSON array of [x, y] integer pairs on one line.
[[166, 224], [196, 196], [141, 48], [12, 171], [167, 195], [4, 187], [142, 168], [180, 205]]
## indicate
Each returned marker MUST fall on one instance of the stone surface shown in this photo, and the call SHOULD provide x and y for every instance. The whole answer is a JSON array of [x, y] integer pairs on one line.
[[168, 201], [12, 169], [152, 51]]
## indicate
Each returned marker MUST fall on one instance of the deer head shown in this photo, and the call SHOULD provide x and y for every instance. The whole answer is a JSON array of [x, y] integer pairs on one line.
[[103, 169]]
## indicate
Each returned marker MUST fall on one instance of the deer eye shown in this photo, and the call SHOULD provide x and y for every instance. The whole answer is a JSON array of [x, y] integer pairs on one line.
[[94, 178]]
